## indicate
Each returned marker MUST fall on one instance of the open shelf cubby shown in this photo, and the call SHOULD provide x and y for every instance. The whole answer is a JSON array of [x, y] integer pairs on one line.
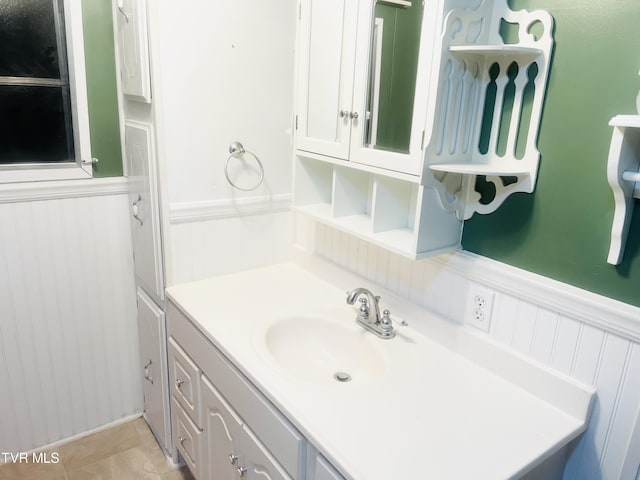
[[396, 214]]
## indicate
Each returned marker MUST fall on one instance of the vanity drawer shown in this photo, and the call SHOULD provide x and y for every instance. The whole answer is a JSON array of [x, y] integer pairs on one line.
[[184, 377], [188, 438]]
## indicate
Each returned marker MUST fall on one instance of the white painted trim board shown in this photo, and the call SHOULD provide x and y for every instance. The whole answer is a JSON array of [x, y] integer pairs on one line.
[[186, 212], [603, 312], [55, 190]]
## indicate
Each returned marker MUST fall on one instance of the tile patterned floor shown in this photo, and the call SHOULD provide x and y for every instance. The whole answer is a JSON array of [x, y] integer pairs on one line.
[[126, 452]]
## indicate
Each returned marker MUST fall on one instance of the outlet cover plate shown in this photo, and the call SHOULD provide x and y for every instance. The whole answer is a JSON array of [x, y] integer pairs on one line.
[[479, 307]]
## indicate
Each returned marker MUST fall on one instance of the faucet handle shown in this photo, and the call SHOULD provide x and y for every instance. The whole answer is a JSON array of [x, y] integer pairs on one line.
[[363, 311], [387, 320]]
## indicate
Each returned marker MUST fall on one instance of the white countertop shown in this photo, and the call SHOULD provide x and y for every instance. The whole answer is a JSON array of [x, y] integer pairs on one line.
[[435, 414]]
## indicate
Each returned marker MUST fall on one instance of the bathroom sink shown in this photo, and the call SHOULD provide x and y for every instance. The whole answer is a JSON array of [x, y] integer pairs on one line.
[[320, 349]]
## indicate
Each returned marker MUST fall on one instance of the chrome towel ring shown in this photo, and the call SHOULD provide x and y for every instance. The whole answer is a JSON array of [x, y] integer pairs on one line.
[[236, 150]]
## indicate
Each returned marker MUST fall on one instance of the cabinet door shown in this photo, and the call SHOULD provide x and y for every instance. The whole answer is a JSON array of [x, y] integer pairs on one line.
[[222, 431], [319, 469], [258, 462], [391, 84], [134, 49], [326, 59], [151, 328], [145, 210]]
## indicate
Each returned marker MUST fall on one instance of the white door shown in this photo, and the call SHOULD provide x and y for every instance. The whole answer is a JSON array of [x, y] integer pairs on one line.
[[222, 428], [258, 462], [144, 204], [326, 62], [134, 49], [154, 367]]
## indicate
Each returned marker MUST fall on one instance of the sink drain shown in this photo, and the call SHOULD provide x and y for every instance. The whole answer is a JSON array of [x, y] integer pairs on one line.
[[342, 377]]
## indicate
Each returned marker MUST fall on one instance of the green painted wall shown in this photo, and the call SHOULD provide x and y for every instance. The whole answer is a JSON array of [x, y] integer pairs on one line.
[[101, 87], [562, 230]]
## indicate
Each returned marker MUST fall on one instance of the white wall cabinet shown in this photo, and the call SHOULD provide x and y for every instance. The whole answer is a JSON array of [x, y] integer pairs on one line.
[[474, 116], [145, 215], [148, 266], [326, 70], [153, 355], [339, 93], [134, 50], [393, 212], [348, 174]]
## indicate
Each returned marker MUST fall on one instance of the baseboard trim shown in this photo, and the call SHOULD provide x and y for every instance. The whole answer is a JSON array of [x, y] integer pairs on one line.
[[78, 436]]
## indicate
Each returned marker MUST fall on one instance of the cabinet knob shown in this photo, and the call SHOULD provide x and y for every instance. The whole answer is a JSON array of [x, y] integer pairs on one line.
[[353, 115], [179, 383], [344, 113], [242, 471], [233, 458]]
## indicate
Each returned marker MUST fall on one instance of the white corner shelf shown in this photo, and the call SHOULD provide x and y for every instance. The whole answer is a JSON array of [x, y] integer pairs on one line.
[[488, 107], [494, 52], [623, 175], [393, 213], [494, 168]]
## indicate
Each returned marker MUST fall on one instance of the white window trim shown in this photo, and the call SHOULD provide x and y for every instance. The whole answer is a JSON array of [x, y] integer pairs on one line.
[[77, 169]]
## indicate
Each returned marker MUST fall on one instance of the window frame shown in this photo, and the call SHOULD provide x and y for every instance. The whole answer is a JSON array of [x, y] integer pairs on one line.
[[80, 167]]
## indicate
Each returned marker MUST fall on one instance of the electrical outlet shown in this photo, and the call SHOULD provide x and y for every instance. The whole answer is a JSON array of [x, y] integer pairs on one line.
[[479, 307]]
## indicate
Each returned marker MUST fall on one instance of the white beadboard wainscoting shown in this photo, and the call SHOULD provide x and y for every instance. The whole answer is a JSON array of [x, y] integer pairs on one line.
[[592, 338], [217, 237], [69, 355]]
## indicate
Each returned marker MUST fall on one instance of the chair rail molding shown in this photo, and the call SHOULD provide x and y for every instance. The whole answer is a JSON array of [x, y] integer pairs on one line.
[[603, 312], [53, 190], [185, 212]]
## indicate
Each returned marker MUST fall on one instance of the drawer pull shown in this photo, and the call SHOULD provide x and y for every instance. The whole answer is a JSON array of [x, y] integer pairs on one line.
[[233, 458], [242, 471], [182, 440], [179, 384]]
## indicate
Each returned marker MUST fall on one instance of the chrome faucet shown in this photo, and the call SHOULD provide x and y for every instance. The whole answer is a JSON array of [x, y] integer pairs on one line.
[[379, 325]]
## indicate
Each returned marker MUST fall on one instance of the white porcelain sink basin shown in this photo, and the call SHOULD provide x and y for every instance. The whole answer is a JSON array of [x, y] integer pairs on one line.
[[319, 349]]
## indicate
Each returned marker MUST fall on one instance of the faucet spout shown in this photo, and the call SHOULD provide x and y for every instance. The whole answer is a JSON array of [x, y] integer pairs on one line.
[[378, 324]]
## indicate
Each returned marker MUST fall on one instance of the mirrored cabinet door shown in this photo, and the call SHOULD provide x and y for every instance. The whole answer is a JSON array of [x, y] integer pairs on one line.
[[325, 83], [391, 85]]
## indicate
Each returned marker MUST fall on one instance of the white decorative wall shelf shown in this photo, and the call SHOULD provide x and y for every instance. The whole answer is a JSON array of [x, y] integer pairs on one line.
[[489, 104], [624, 179]]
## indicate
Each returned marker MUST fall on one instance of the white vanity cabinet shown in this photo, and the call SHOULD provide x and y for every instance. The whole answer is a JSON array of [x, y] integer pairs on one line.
[[223, 427], [230, 449], [318, 468]]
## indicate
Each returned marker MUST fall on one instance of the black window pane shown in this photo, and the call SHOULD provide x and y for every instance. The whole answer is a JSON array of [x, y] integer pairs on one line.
[[33, 125], [28, 46]]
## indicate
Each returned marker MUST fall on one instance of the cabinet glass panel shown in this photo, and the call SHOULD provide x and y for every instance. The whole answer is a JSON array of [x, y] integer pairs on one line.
[[393, 65]]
